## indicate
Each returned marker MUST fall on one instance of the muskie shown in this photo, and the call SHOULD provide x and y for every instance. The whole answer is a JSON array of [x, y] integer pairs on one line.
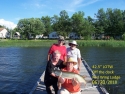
[[70, 75]]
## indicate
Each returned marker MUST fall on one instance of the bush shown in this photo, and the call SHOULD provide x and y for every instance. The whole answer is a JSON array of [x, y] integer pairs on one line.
[[123, 36], [111, 38]]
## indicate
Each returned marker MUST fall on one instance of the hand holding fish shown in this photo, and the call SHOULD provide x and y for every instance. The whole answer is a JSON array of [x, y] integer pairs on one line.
[[74, 82], [61, 80], [78, 68], [53, 74]]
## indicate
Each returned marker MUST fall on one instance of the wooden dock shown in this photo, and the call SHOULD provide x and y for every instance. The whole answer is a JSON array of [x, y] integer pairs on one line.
[[39, 87]]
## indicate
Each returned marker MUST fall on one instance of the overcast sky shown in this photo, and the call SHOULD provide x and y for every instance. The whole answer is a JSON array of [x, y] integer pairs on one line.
[[14, 10]]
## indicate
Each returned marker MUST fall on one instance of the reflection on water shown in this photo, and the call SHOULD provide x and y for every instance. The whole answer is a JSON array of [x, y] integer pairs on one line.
[[20, 68]]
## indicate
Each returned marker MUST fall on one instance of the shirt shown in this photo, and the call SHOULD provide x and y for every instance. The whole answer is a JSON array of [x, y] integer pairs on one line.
[[68, 83], [50, 68], [61, 49], [74, 53]]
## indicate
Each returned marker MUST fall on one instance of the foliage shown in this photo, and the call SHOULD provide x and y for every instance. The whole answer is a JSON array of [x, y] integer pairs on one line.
[[101, 43], [100, 24], [64, 24], [123, 36], [54, 22], [77, 20], [47, 24], [110, 23], [30, 27]]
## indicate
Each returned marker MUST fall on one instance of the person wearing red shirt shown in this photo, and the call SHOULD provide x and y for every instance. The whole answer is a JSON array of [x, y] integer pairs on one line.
[[60, 47], [69, 86]]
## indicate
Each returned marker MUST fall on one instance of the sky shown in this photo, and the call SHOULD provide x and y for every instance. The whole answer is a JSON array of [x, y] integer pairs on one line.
[[11, 11]]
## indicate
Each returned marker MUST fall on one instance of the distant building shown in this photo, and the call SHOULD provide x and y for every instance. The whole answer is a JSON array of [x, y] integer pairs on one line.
[[39, 36], [3, 33], [16, 35], [73, 35], [53, 35]]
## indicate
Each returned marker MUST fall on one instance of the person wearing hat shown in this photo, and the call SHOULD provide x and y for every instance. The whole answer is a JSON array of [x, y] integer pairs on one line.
[[60, 47], [74, 52], [69, 86]]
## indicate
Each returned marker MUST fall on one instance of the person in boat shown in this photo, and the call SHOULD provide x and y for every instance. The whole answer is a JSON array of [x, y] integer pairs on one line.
[[74, 52], [69, 86], [60, 47], [50, 79]]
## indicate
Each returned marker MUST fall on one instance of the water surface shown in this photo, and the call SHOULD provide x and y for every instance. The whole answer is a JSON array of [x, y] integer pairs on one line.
[[21, 67]]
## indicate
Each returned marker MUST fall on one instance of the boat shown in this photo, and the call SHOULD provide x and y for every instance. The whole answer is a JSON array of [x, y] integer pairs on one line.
[[39, 87]]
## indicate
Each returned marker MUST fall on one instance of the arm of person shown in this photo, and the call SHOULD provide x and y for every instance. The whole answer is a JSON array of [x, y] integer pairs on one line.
[[49, 68], [63, 80], [48, 57], [50, 52], [79, 63], [79, 59], [65, 58], [65, 55], [53, 74]]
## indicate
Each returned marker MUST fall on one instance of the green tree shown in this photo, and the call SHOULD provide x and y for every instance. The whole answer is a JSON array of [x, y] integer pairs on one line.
[[88, 28], [111, 22], [47, 24], [82, 26], [54, 22], [101, 22], [123, 14], [116, 24], [64, 24], [30, 27], [78, 20]]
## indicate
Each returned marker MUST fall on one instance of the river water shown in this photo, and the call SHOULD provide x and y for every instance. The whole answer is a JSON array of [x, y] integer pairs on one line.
[[21, 67]]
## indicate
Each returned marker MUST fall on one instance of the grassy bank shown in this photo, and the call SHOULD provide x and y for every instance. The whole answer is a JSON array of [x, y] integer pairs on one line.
[[102, 43], [26, 43], [40, 43]]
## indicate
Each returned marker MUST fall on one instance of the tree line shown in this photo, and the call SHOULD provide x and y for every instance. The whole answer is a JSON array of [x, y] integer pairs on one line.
[[110, 23]]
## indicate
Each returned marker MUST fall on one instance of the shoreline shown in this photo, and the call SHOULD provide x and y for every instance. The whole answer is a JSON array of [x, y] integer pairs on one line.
[[47, 43]]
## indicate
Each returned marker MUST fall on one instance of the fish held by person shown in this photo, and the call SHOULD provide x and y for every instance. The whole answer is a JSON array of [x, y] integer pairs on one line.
[[70, 75]]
